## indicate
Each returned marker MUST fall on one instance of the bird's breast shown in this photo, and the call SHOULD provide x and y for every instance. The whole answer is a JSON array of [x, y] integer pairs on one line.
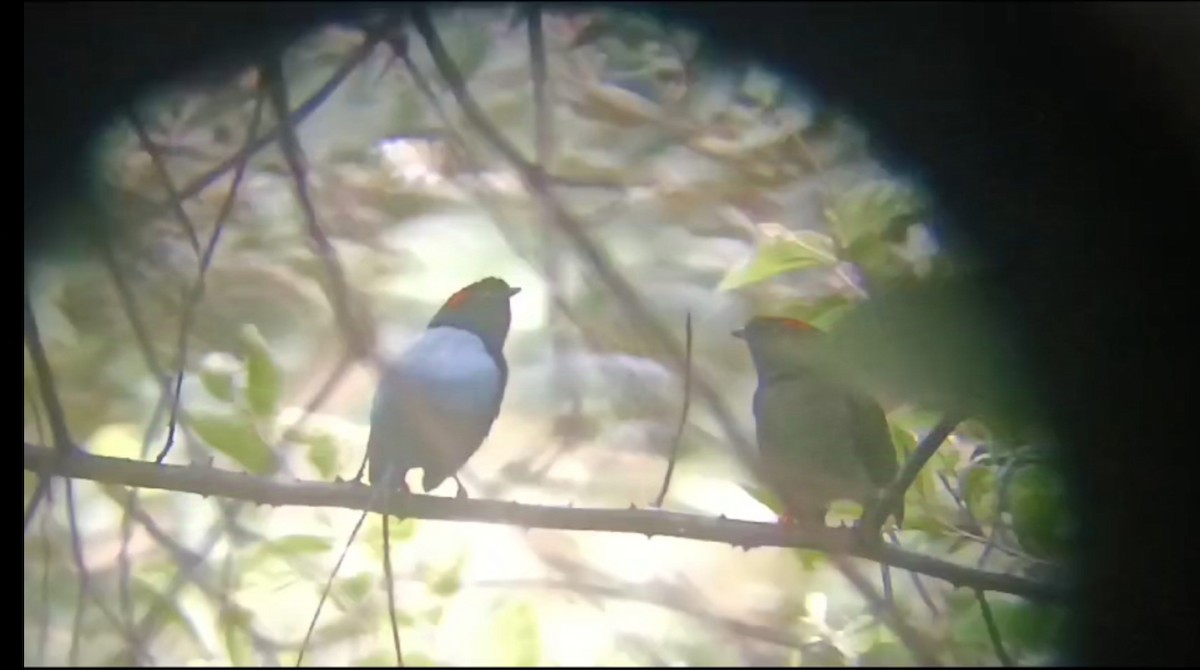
[[449, 368]]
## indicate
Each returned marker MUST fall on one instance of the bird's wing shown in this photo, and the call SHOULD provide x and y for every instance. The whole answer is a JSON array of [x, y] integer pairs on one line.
[[872, 439]]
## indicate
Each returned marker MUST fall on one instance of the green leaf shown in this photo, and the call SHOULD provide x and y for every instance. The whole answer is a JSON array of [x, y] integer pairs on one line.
[[291, 545], [1024, 627], [381, 659], [323, 454], [237, 437], [1033, 627], [218, 372], [264, 384], [978, 489], [387, 659], [805, 250], [418, 660], [143, 592], [401, 530], [349, 591], [811, 560], [517, 636], [868, 210], [238, 642], [923, 523], [886, 654], [906, 443], [1040, 512], [948, 460], [448, 582]]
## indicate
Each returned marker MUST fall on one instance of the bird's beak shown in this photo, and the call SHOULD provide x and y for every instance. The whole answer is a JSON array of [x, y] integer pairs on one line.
[[513, 291], [740, 333]]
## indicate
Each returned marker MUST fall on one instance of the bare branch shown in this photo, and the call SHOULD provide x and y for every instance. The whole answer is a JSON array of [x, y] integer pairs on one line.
[[748, 534], [683, 414]]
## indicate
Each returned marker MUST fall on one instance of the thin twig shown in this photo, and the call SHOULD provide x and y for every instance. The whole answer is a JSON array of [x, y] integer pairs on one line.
[[293, 153], [993, 630], [920, 648], [544, 144], [160, 166], [312, 625], [43, 485], [41, 366], [85, 585], [683, 414], [145, 630], [889, 503], [998, 525], [133, 315], [84, 579], [916, 579], [248, 488], [62, 447], [129, 304], [193, 297], [389, 578], [297, 116], [44, 623], [149, 624], [124, 572], [191, 566]]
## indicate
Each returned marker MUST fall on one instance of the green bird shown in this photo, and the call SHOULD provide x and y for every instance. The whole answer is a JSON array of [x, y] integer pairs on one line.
[[819, 438]]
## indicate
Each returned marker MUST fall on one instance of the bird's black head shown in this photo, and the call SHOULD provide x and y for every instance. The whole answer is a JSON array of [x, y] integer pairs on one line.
[[481, 308], [779, 344]]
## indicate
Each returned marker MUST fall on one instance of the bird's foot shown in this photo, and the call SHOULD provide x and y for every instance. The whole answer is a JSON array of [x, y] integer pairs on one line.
[[461, 492]]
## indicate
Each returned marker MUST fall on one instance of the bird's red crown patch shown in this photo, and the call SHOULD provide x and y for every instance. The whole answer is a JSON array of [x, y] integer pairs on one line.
[[459, 298], [795, 324]]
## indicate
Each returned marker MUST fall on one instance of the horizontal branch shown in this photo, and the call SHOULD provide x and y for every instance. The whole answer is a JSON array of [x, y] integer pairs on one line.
[[208, 481]]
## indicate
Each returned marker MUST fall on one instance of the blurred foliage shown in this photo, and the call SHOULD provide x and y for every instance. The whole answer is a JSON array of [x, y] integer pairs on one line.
[[716, 188]]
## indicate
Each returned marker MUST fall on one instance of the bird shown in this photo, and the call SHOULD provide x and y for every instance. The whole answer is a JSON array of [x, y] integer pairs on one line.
[[820, 439], [436, 402]]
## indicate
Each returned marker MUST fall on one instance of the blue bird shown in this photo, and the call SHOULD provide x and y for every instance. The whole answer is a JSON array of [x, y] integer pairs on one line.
[[436, 402]]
